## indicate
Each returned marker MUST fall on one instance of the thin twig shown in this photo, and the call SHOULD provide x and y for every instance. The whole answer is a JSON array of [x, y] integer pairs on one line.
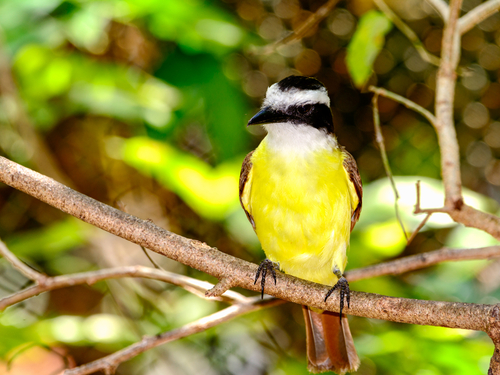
[[420, 226], [381, 144], [428, 211], [112, 361], [442, 8], [51, 283], [423, 260], [408, 32], [155, 265], [220, 288], [22, 267], [406, 102], [477, 15], [313, 20]]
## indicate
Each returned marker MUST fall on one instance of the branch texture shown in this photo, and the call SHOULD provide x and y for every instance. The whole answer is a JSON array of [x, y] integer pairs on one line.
[[477, 15], [111, 362], [423, 260], [445, 125], [207, 259]]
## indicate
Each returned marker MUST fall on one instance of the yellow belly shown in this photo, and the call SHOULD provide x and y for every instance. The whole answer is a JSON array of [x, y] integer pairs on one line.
[[301, 205]]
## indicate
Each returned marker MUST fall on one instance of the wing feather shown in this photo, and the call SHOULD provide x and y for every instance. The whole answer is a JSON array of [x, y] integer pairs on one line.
[[352, 171], [245, 183]]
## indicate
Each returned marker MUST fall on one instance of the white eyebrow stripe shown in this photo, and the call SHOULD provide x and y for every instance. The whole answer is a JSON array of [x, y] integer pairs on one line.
[[277, 98]]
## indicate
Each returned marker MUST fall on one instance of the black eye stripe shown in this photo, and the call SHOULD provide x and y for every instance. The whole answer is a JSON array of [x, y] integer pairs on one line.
[[304, 109], [316, 115]]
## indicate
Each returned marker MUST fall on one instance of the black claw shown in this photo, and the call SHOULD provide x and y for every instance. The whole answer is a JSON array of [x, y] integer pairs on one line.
[[345, 292], [265, 265]]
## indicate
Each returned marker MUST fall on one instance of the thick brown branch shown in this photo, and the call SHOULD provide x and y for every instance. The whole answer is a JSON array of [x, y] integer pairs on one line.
[[445, 94], [423, 260], [470, 217], [111, 362], [207, 259], [494, 334]]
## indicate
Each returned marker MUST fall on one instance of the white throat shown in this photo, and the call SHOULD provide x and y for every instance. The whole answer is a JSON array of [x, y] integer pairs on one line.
[[298, 139]]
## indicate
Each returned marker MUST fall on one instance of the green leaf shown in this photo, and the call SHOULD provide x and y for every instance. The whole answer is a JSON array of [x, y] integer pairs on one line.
[[49, 241], [210, 191], [365, 45]]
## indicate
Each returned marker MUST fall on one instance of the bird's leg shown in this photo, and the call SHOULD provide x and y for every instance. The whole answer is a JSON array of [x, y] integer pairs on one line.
[[343, 285], [265, 266]]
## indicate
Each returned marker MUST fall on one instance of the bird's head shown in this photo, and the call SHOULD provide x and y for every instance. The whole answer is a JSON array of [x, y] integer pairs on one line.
[[296, 100]]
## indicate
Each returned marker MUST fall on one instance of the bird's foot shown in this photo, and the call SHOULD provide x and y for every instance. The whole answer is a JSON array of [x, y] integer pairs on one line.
[[343, 286], [265, 265]]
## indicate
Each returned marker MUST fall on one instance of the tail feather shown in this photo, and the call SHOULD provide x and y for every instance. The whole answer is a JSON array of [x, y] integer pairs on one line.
[[330, 346]]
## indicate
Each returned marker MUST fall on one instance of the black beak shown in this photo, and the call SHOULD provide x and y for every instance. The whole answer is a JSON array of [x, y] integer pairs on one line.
[[267, 116]]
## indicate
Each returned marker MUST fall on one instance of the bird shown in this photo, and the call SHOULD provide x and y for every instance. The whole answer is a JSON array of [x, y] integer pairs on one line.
[[302, 193]]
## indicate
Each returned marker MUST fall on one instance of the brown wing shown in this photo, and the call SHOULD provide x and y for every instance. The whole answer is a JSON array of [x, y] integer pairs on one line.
[[245, 171], [352, 170]]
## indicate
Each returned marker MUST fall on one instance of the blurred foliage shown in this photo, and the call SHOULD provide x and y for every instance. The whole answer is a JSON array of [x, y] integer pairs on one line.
[[365, 45], [143, 105]]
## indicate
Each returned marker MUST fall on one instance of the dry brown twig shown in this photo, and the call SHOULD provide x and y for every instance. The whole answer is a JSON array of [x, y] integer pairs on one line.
[[477, 15], [381, 144], [109, 363], [408, 32], [423, 260], [313, 20]]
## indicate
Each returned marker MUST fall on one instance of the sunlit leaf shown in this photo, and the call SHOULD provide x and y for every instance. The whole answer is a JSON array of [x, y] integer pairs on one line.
[[50, 240], [211, 192], [365, 45]]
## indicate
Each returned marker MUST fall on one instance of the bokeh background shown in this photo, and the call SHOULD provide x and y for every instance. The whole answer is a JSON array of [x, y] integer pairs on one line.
[[143, 105]]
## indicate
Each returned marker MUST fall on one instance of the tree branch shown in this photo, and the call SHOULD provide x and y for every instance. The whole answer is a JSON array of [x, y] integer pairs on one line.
[[408, 32], [109, 363], [423, 260], [51, 283], [302, 30], [477, 15], [406, 102], [466, 215], [442, 8], [445, 125], [22, 267], [209, 260], [381, 144]]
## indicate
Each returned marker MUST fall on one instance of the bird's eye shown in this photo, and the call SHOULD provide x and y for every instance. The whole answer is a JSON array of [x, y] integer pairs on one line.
[[305, 109]]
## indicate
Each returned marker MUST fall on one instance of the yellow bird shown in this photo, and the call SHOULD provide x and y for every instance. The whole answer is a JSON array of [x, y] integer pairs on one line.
[[302, 193]]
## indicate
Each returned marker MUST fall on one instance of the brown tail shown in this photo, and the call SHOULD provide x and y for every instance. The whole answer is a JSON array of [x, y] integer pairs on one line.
[[329, 344]]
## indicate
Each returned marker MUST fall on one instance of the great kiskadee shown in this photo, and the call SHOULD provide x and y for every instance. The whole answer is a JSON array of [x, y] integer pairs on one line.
[[301, 191]]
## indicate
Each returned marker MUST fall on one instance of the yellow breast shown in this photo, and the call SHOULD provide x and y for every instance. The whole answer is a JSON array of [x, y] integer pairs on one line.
[[302, 205]]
